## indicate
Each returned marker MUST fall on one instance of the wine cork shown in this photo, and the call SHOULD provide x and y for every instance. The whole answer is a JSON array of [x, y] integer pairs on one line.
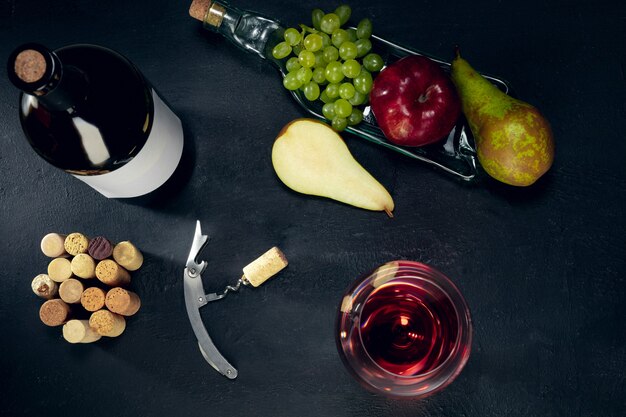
[[127, 255], [199, 8], [76, 243], [266, 266], [112, 274], [78, 331], [107, 324], [92, 299], [53, 245], [71, 291], [54, 312], [60, 269], [30, 65], [121, 301], [100, 248], [44, 287], [83, 266]]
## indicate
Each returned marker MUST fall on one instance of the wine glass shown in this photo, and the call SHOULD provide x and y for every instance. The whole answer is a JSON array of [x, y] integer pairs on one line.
[[404, 330]]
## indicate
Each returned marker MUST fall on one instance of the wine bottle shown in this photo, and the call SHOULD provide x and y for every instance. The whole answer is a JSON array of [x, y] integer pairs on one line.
[[89, 111], [257, 34]]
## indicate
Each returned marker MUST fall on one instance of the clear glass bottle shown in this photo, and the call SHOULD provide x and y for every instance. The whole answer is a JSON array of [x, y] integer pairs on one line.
[[258, 35], [89, 111]]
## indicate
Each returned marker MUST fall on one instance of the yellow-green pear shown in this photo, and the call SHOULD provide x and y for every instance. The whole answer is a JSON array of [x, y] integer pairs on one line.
[[311, 158], [513, 140]]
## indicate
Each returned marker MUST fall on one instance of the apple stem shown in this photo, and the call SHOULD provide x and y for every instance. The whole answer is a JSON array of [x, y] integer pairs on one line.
[[389, 213]]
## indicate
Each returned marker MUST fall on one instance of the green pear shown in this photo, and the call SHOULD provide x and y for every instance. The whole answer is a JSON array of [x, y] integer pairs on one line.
[[513, 140], [311, 158]]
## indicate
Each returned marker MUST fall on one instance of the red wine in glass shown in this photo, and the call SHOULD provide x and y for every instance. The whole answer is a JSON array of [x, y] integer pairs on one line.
[[404, 330]]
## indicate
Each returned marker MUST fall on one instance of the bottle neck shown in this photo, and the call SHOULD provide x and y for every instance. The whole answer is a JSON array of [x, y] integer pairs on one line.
[[39, 72], [249, 31]]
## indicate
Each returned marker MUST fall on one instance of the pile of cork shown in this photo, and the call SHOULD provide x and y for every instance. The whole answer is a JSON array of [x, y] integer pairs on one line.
[[83, 281]]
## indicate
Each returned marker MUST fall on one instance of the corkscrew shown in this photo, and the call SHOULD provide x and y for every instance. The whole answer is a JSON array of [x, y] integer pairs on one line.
[[254, 274]]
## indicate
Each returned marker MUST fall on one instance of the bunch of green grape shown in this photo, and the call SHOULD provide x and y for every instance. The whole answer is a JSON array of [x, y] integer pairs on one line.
[[331, 64]]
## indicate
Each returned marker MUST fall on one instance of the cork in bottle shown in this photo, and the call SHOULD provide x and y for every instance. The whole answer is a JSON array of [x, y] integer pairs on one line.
[[107, 324], [71, 291], [30, 66], [121, 301], [112, 274], [54, 312]]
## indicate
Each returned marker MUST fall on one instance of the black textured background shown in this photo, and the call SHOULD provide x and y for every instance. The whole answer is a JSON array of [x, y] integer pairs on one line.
[[541, 268]]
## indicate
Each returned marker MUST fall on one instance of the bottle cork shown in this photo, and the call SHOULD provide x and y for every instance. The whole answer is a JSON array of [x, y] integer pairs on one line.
[[266, 266], [71, 291], [78, 331], [100, 248], [107, 324], [83, 266], [60, 269], [53, 245], [30, 65], [54, 312], [44, 287], [92, 299], [76, 243], [121, 301], [127, 255], [112, 274]]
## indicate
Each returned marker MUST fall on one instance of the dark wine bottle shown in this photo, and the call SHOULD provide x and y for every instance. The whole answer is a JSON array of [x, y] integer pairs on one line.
[[89, 111]]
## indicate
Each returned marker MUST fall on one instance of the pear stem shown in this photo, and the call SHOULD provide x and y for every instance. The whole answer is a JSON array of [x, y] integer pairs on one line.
[[457, 51], [389, 213]]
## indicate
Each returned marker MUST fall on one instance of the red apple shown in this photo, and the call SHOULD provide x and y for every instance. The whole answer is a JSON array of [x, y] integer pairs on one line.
[[414, 101]]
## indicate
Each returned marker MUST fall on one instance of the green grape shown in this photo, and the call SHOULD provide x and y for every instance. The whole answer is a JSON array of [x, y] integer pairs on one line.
[[293, 64], [344, 13], [346, 91], [312, 91], [342, 108], [307, 58], [339, 36], [319, 75], [330, 22], [304, 75], [355, 117], [331, 54], [363, 81], [325, 39], [313, 42], [363, 46], [297, 49], [373, 62], [316, 17], [328, 110], [291, 82], [324, 97], [347, 50], [357, 99], [292, 36], [320, 61], [332, 90], [282, 50], [364, 29], [352, 35], [351, 68], [334, 73], [339, 123]]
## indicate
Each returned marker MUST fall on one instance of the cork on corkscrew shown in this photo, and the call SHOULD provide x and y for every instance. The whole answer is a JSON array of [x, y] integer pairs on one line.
[[265, 267]]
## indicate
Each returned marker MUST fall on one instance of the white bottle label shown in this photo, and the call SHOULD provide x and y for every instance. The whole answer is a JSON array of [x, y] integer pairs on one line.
[[154, 163]]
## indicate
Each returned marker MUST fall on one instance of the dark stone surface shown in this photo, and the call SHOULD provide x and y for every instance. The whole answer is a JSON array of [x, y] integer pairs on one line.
[[542, 269]]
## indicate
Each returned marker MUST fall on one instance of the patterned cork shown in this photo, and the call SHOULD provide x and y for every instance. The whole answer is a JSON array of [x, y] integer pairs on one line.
[[83, 266], [76, 243], [52, 245], [127, 255], [43, 286], [30, 66], [112, 274], [122, 301], [100, 248], [78, 331], [92, 299], [71, 291], [54, 312], [107, 324], [60, 269]]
